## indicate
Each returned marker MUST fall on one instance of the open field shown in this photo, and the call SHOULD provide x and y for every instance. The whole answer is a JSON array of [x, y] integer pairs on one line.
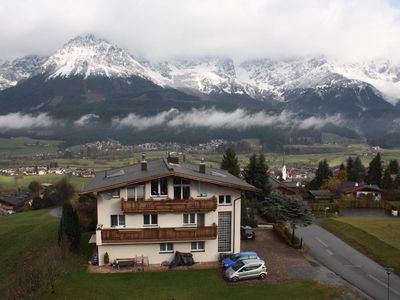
[[378, 238], [8, 183], [335, 149], [23, 146], [30, 232], [21, 234]]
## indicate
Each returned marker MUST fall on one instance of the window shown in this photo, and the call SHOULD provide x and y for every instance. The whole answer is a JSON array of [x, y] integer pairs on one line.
[[201, 189], [117, 220], [113, 193], [224, 231], [159, 187], [193, 219], [136, 192], [224, 200], [181, 188], [197, 246], [166, 247], [150, 219]]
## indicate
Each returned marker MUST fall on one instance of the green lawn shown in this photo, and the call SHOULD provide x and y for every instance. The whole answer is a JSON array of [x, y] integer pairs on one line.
[[10, 183], [179, 285], [30, 232], [378, 238], [20, 235]]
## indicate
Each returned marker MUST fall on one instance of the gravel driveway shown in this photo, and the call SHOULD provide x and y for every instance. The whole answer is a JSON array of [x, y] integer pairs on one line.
[[277, 255]]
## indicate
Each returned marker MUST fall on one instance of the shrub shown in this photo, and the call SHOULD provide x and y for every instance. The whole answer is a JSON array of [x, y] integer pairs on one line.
[[106, 258]]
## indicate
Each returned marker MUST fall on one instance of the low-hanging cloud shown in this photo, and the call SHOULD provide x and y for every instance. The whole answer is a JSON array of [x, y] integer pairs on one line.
[[86, 120], [24, 121], [212, 118]]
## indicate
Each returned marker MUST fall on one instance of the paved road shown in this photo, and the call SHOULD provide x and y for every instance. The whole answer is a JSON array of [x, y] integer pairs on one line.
[[350, 264], [56, 212]]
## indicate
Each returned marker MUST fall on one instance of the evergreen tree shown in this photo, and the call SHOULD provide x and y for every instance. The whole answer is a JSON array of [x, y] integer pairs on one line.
[[349, 168], [396, 183], [394, 166], [69, 234], [256, 174], [323, 172], [298, 213], [230, 161], [358, 172], [342, 174], [387, 182], [375, 171]]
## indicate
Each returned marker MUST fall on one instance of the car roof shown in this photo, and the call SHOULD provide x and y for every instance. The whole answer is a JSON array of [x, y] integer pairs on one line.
[[252, 261], [248, 253]]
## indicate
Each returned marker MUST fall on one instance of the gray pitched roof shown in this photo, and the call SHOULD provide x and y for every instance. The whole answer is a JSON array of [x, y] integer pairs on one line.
[[109, 179]]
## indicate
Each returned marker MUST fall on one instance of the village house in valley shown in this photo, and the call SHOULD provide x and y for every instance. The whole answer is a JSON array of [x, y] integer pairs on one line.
[[165, 205]]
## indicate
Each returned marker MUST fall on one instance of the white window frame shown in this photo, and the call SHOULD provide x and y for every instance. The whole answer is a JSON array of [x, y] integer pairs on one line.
[[151, 216], [169, 248], [199, 246], [159, 187], [191, 221], [201, 186], [135, 187], [119, 218], [224, 202]]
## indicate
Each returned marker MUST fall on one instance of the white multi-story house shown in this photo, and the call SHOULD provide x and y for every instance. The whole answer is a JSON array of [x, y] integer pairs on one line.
[[158, 207]]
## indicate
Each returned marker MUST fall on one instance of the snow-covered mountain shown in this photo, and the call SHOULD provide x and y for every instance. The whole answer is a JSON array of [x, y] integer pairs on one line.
[[11, 72], [260, 79], [90, 56]]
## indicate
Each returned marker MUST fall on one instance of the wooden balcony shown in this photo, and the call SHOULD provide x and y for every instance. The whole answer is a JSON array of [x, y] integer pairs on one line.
[[144, 235], [166, 206]]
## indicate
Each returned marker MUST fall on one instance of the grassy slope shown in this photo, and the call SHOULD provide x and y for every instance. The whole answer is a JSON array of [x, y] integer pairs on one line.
[[21, 234], [377, 238]]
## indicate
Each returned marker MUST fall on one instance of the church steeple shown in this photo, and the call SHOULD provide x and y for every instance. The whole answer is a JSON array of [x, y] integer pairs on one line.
[[284, 171]]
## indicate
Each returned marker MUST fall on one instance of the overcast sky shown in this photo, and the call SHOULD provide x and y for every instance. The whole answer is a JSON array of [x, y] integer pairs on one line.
[[346, 29]]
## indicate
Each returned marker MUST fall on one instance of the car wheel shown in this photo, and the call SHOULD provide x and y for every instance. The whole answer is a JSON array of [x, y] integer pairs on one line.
[[262, 276], [235, 279]]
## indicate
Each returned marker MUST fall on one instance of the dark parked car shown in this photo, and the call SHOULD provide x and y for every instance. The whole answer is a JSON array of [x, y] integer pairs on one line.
[[247, 233]]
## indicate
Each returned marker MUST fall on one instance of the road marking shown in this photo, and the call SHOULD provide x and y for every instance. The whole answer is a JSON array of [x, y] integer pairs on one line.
[[329, 252], [320, 241], [383, 284]]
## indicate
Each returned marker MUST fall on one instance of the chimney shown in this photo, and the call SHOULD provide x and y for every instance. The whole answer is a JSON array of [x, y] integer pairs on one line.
[[173, 159], [144, 162], [202, 166]]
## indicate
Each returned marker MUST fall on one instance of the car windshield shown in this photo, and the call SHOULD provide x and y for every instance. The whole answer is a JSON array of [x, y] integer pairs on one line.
[[235, 257], [238, 265]]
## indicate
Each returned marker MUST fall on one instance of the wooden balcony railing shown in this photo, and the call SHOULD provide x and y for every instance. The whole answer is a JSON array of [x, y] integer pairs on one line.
[[144, 235], [165, 206]]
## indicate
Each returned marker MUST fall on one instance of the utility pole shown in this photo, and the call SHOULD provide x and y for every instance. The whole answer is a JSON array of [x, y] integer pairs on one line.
[[388, 270]]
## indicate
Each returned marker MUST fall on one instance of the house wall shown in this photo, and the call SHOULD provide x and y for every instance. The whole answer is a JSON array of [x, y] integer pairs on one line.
[[108, 207], [375, 195], [152, 251]]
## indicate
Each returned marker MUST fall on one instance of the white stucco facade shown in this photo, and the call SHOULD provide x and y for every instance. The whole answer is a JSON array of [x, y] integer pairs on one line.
[[107, 206]]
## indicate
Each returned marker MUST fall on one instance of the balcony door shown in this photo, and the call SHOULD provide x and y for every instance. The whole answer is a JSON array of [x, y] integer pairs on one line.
[[181, 188]]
